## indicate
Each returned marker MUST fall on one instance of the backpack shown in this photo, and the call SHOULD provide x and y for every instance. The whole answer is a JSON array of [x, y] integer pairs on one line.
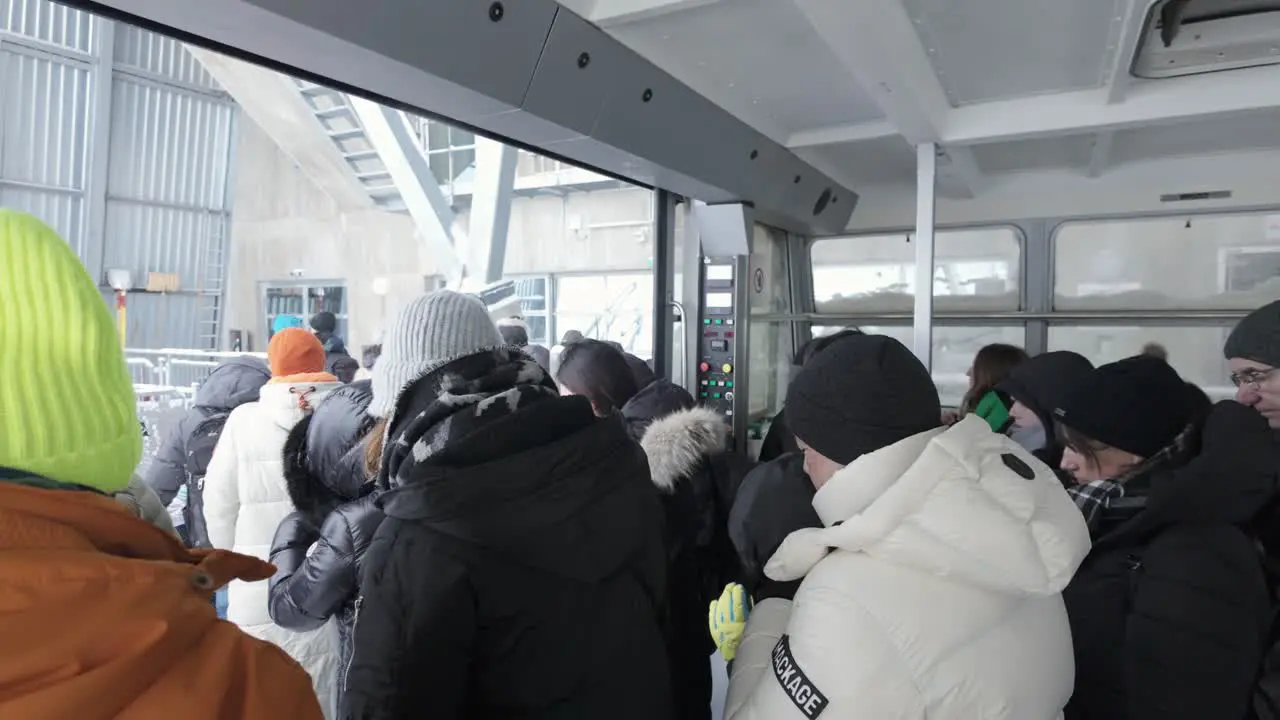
[[200, 446]]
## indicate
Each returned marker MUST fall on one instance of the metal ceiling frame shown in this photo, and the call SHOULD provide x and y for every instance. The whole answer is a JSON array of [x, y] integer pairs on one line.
[[539, 78], [877, 43]]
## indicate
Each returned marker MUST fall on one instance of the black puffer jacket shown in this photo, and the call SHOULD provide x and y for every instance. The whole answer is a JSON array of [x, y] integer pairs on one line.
[[690, 465], [336, 513], [1042, 383], [232, 384], [775, 500], [524, 581], [1170, 611]]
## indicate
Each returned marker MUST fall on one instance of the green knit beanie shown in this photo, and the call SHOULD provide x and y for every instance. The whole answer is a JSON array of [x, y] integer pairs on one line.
[[67, 408]]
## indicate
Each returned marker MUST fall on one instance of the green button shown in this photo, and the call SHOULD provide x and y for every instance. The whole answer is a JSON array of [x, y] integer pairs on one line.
[[729, 384], [719, 321], [706, 321], [702, 394], [715, 395]]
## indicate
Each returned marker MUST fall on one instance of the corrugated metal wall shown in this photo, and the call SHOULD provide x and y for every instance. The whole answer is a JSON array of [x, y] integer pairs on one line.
[[165, 201]]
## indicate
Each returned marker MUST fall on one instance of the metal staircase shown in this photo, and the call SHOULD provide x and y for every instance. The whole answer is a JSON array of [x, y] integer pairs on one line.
[[334, 112]]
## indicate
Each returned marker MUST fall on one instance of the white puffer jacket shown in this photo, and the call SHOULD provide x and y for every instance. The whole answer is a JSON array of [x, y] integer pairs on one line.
[[245, 498], [933, 591]]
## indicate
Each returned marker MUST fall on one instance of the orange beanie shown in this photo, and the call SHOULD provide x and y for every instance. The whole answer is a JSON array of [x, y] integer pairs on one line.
[[294, 351]]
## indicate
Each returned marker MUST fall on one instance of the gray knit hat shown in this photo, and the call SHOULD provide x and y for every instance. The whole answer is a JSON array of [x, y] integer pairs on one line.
[[432, 331], [1257, 336]]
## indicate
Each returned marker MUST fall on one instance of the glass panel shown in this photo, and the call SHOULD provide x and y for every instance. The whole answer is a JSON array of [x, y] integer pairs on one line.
[[440, 166], [437, 135], [770, 368], [767, 278], [538, 330], [974, 271], [608, 307], [462, 161], [1195, 352], [459, 137], [953, 349], [1229, 262]]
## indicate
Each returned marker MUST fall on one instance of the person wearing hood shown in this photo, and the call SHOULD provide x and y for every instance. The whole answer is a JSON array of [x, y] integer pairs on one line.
[[105, 615], [1033, 389], [520, 569], [933, 588], [690, 465], [246, 495], [515, 332], [776, 498], [231, 384], [338, 362], [319, 549], [1170, 612]]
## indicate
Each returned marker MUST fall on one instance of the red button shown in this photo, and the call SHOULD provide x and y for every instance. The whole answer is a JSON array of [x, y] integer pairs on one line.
[[704, 367]]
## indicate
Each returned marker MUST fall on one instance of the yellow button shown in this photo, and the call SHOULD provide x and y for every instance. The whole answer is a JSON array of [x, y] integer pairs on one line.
[[726, 368]]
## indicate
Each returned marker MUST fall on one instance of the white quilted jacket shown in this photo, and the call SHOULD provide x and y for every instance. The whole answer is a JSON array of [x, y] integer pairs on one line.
[[245, 498], [933, 591]]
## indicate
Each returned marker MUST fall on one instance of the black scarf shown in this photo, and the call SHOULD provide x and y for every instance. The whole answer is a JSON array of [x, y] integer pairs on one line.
[[443, 408]]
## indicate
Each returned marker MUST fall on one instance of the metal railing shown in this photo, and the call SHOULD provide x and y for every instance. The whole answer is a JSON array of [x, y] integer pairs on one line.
[[177, 368], [165, 382]]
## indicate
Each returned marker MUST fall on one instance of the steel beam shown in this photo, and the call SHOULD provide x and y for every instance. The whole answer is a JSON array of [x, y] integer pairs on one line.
[[922, 316], [486, 244], [389, 134], [99, 149]]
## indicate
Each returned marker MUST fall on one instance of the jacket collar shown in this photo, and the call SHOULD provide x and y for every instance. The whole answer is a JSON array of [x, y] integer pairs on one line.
[[963, 503]]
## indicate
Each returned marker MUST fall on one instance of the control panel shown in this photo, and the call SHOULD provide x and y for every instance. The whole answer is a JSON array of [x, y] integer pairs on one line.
[[723, 340]]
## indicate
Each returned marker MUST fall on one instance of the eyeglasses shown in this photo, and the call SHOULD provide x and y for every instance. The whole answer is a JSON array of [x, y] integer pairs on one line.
[[1252, 378]]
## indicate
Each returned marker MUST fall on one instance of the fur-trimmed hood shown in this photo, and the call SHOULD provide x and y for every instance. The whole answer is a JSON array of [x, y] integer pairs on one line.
[[324, 454], [678, 443]]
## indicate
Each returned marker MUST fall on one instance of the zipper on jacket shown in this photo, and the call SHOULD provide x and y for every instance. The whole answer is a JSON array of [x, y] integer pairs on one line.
[[355, 623], [1136, 569]]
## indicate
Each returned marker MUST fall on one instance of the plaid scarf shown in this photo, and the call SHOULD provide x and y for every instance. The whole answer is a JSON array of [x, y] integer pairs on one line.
[[444, 407]]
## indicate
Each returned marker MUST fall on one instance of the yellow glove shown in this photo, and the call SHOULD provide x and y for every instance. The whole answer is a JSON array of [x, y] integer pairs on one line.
[[727, 618]]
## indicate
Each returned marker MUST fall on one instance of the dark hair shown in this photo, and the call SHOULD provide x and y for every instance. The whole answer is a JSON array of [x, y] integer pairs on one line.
[[599, 372], [816, 345], [570, 337], [991, 366], [1156, 350], [514, 334]]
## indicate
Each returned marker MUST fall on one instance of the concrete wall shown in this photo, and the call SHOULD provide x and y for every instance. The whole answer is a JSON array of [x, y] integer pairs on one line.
[[602, 230], [283, 223]]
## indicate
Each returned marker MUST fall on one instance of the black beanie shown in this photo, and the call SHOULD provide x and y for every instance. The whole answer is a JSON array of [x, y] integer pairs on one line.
[[1138, 405], [324, 321], [1257, 336], [860, 394]]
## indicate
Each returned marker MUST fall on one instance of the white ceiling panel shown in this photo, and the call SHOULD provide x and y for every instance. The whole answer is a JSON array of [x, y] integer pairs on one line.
[[984, 50], [758, 59], [1231, 134], [1034, 154], [883, 161]]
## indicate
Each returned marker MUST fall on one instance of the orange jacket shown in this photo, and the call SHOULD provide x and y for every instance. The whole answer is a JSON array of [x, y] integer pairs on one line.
[[105, 616]]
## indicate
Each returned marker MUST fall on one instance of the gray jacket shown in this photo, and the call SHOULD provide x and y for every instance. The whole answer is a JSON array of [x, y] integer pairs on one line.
[[231, 384]]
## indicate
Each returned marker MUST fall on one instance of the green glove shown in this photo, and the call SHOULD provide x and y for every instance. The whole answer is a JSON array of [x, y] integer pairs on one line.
[[727, 618], [994, 408]]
